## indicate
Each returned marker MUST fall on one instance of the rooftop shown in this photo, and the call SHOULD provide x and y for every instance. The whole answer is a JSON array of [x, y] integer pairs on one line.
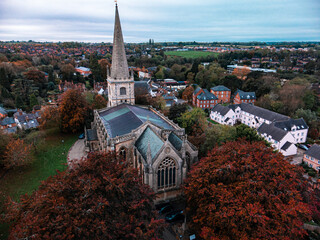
[[124, 118], [314, 151]]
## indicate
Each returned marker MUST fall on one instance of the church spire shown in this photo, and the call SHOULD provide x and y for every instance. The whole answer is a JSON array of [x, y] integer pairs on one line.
[[119, 69]]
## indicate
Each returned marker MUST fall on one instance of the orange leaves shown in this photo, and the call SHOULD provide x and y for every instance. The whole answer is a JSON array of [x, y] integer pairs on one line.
[[243, 190], [17, 154], [187, 94], [93, 200], [72, 110]]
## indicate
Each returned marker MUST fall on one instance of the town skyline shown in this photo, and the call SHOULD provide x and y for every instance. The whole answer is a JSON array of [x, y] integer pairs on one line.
[[203, 21]]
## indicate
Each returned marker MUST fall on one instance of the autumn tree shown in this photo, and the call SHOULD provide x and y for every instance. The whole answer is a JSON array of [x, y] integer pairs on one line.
[[104, 64], [241, 73], [244, 190], [99, 198], [50, 117], [35, 75], [99, 102], [292, 97], [67, 71], [72, 110], [187, 94], [17, 154]]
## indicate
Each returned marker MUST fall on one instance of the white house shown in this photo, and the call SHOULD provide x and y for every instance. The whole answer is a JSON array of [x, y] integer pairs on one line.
[[279, 139], [223, 115], [297, 127]]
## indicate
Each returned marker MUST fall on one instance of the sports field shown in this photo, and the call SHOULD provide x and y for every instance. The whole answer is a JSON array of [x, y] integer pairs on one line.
[[190, 54]]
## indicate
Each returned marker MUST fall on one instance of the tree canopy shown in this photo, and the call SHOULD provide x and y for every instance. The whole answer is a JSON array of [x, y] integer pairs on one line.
[[100, 198], [243, 190]]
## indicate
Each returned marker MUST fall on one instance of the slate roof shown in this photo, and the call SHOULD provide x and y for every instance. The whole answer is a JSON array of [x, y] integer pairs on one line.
[[263, 113], [10, 130], [288, 124], [220, 88], [124, 118], [149, 138], [7, 120], [314, 151], [286, 146], [246, 95], [221, 109], [3, 111], [269, 129], [92, 135], [206, 95], [141, 87], [175, 141], [197, 90]]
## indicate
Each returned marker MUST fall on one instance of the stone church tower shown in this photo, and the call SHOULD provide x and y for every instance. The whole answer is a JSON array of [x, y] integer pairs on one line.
[[120, 83]]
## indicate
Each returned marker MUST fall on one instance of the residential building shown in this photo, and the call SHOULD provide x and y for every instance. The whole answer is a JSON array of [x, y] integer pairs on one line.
[[223, 115], [279, 139], [8, 123], [202, 98], [3, 113], [244, 97], [222, 93], [84, 71], [312, 157], [276, 128]]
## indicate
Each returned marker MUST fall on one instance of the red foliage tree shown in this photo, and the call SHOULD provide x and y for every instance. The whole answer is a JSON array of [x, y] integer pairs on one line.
[[187, 94], [35, 75], [50, 117], [99, 102], [243, 190], [17, 154], [100, 198], [72, 110]]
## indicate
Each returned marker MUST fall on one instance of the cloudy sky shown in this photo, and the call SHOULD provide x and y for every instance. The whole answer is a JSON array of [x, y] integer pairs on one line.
[[161, 20]]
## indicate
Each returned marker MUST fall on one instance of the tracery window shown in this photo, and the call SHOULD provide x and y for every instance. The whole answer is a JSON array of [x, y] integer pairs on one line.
[[188, 160], [167, 174], [123, 91], [123, 152]]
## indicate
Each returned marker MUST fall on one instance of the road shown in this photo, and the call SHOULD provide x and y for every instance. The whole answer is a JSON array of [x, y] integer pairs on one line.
[[77, 151], [297, 159]]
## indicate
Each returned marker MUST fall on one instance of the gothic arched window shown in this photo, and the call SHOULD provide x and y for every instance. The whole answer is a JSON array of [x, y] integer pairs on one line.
[[123, 152], [123, 91], [167, 174], [188, 160]]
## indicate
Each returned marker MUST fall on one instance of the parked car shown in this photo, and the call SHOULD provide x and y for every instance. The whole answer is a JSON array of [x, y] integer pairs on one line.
[[175, 216], [304, 147], [161, 205], [166, 209], [81, 136]]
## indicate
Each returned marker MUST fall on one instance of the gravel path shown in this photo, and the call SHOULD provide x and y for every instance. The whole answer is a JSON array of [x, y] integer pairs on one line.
[[77, 151]]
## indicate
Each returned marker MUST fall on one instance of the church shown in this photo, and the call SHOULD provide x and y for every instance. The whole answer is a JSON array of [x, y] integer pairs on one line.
[[149, 141]]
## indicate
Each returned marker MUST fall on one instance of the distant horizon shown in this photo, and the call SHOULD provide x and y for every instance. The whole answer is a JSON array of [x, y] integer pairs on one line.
[[199, 42], [163, 21]]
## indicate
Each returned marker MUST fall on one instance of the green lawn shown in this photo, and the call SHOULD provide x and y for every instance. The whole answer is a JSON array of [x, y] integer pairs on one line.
[[52, 156], [213, 122], [190, 54]]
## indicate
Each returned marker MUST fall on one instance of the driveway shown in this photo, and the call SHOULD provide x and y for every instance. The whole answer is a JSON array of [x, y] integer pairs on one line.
[[77, 151], [297, 159]]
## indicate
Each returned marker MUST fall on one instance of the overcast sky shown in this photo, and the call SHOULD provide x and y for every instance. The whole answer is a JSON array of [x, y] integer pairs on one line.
[[161, 20]]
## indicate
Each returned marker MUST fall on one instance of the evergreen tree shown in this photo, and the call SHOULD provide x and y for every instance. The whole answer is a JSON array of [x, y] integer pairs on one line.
[[4, 81], [19, 102], [33, 100]]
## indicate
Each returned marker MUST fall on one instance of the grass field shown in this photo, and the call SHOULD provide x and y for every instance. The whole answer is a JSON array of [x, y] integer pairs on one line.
[[52, 156], [190, 54]]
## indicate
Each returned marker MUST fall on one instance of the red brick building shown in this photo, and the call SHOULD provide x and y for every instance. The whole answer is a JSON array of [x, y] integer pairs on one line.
[[222, 93], [202, 98], [244, 97]]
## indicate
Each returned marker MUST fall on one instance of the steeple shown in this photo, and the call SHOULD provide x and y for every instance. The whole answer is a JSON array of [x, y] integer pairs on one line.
[[119, 69]]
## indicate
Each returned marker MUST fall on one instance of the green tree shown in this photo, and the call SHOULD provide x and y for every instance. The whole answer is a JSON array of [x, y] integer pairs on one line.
[[33, 100], [250, 134], [176, 111], [19, 102], [191, 118], [308, 115], [4, 81]]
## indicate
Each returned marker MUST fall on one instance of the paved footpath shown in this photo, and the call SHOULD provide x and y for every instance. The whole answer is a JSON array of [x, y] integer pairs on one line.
[[77, 151]]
